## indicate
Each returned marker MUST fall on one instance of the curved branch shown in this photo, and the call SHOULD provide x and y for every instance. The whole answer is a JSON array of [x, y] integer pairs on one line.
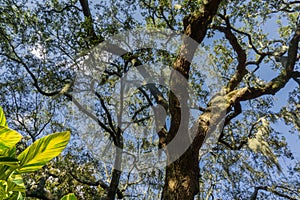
[[276, 83], [67, 7], [241, 70], [107, 113], [244, 94], [85, 111], [269, 189], [163, 16]]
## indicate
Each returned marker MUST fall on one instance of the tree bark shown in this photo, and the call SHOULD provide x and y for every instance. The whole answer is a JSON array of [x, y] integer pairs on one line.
[[182, 177], [116, 172], [182, 174]]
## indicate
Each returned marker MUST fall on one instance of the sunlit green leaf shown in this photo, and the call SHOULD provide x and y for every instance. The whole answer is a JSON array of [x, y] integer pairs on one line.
[[69, 197], [2, 118], [3, 189], [8, 139], [42, 151], [9, 161], [15, 183]]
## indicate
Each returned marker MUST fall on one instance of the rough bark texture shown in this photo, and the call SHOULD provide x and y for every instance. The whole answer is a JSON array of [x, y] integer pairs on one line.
[[182, 175]]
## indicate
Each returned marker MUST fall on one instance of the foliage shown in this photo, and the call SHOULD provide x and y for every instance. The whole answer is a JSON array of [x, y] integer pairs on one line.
[[43, 44], [69, 197], [33, 158]]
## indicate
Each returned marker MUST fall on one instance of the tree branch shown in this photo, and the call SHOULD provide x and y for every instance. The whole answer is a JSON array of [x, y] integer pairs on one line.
[[269, 189], [241, 70], [244, 94], [95, 118], [96, 183], [107, 113], [67, 7], [296, 77], [89, 20], [276, 83], [237, 111]]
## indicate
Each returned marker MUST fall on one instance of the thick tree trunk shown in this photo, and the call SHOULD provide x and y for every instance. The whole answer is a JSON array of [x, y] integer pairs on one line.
[[182, 177], [182, 174]]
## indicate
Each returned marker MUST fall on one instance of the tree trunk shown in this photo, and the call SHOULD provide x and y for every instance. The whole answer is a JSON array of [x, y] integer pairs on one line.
[[116, 173], [182, 177], [182, 174]]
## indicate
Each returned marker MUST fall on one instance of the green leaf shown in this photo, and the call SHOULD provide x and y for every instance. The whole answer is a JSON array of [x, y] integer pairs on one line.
[[11, 152], [16, 184], [16, 196], [9, 161], [2, 118], [42, 151], [13, 188], [69, 197], [3, 189], [8, 139]]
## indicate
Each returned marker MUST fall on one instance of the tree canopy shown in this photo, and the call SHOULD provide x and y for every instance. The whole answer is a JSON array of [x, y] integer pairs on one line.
[[164, 99]]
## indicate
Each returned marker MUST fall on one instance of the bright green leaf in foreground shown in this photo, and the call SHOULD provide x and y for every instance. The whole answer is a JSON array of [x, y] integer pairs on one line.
[[18, 184], [42, 151], [8, 139], [16, 196], [3, 189], [2, 118], [9, 161], [69, 197]]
